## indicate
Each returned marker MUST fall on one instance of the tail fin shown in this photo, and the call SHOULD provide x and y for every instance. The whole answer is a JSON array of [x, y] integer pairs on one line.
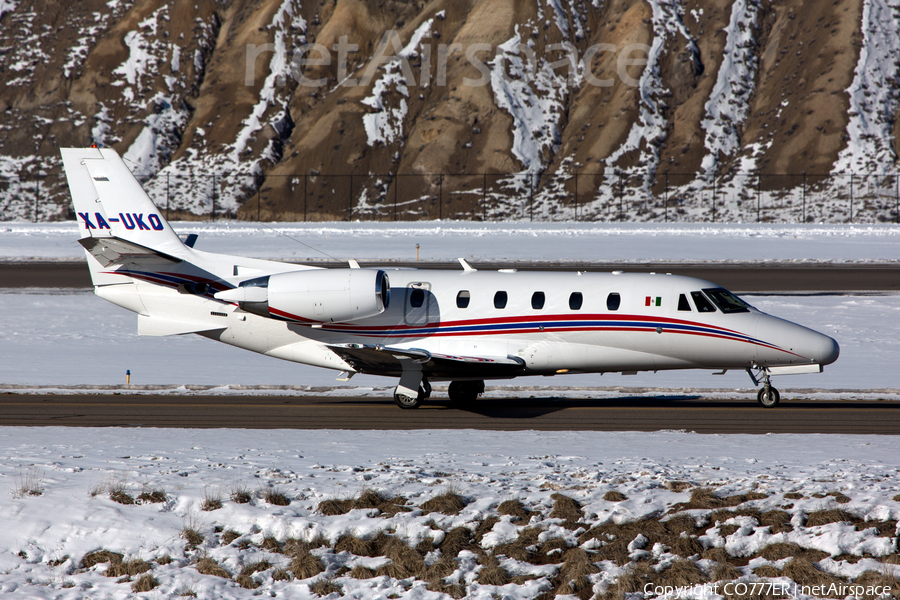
[[110, 203]]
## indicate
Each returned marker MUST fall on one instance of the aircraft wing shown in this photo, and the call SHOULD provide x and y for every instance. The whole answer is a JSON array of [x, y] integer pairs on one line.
[[115, 251], [384, 360]]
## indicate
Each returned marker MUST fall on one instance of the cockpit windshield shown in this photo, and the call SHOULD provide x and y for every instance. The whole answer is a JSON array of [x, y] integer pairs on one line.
[[726, 301]]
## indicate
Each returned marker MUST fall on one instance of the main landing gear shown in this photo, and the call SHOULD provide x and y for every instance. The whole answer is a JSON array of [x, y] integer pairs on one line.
[[462, 393], [404, 399], [768, 396]]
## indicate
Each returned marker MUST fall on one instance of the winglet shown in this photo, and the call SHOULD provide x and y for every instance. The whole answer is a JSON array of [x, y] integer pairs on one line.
[[466, 266]]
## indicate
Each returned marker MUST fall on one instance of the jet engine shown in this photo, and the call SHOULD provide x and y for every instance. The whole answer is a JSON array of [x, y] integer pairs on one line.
[[317, 295]]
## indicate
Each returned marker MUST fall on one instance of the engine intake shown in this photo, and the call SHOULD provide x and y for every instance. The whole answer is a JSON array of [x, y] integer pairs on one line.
[[315, 295]]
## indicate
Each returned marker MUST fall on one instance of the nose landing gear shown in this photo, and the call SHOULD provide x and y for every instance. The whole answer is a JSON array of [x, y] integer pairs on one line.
[[768, 396]]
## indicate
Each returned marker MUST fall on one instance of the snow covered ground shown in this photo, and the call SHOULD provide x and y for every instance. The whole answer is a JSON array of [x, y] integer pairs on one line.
[[447, 240], [45, 537]]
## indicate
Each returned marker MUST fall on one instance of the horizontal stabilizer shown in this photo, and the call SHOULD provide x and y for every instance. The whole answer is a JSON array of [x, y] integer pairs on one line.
[[116, 251], [385, 360], [157, 326]]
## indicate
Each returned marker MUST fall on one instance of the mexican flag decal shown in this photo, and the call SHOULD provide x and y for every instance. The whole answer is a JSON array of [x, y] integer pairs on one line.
[[650, 301]]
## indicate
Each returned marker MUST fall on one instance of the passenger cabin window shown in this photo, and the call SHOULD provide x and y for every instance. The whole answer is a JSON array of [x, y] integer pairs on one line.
[[417, 298], [613, 301], [537, 300], [702, 304], [576, 300], [462, 299], [726, 301], [683, 303], [500, 299]]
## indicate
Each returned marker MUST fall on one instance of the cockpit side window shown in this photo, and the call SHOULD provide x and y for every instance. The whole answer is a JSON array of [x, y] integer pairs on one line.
[[726, 301], [683, 303], [703, 305]]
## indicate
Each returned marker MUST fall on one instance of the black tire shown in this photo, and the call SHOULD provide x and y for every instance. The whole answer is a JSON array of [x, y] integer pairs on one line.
[[406, 402], [465, 393], [770, 399]]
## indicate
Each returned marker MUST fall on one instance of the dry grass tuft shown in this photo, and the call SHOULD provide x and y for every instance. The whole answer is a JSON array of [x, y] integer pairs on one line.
[[152, 497], [515, 508], [676, 486], [323, 587], [101, 556], [387, 505], [271, 544], [830, 515], [304, 565], [767, 571], [145, 584], [208, 566], [360, 572], [275, 497], [121, 496], [29, 483], [725, 572], [839, 497], [804, 572], [491, 573], [448, 503], [281, 575], [240, 493], [706, 498], [778, 520], [880, 579], [726, 530], [456, 540], [896, 498], [614, 496], [718, 555], [679, 524], [485, 527], [794, 496], [444, 567], [682, 573], [633, 580], [132, 567], [405, 561], [165, 559], [353, 545], [229, 536], [212, 500], [245, 577], [686, 545], [783, 550], [885, 528], [566, 508]]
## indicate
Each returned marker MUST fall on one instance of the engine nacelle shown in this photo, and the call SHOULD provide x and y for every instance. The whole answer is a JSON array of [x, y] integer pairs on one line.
[[316, 295]]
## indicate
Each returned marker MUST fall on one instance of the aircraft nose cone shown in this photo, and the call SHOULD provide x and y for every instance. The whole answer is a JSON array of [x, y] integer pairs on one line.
[[828, 350]]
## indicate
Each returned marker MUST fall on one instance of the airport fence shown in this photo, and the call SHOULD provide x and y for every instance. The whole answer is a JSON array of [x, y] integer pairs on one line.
[[581, 196]]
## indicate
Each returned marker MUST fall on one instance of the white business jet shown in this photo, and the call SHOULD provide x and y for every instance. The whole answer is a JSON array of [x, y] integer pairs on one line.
[[464, 326]]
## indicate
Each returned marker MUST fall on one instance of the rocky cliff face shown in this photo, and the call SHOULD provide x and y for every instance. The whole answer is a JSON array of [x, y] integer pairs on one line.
[[452, 108]]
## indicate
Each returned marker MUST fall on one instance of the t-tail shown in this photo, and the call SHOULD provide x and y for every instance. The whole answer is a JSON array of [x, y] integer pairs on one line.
[[137, 260]]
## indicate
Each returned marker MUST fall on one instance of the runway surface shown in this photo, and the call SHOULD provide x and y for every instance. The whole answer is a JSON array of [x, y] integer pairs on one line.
[[675, 412], [741, 278]]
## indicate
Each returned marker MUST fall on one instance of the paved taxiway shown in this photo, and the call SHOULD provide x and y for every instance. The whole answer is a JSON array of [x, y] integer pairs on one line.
[[741, 278], [676, 412]]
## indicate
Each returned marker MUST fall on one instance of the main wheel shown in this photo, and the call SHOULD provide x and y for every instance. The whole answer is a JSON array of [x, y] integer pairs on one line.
[[465, 393], [404, 401], [768, 397]]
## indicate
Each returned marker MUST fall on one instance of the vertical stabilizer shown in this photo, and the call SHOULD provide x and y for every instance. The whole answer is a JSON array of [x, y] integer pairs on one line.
[[109, 201]]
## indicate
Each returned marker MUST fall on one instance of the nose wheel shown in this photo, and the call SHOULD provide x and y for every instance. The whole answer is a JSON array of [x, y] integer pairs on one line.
[[768, 396]]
